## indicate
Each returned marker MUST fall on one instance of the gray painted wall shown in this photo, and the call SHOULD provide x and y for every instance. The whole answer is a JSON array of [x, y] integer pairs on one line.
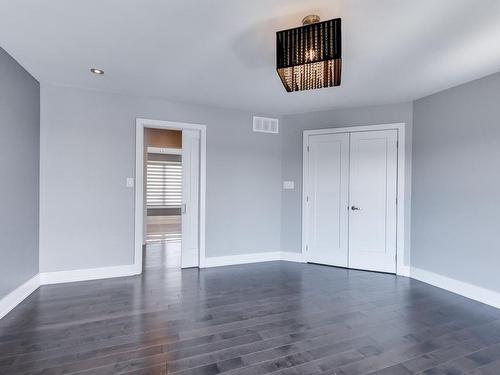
[[292, 129], [456, 183], [88, 149], [19, 170]]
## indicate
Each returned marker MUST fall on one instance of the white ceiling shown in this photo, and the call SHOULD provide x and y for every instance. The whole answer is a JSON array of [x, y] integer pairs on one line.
[[222, 52]]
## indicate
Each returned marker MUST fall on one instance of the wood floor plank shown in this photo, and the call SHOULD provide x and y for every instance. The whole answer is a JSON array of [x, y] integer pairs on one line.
[[270, 318]]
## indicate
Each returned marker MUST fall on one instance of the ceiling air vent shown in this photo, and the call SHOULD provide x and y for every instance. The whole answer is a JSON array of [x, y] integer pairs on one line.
[[265, 125]]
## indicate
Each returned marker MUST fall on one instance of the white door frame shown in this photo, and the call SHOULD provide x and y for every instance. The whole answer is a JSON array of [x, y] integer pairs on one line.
[[401, 269], [141, 124]]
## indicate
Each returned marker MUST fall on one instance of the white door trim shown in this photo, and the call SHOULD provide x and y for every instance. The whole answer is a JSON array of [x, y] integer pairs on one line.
[[139, 180], [401, 268]]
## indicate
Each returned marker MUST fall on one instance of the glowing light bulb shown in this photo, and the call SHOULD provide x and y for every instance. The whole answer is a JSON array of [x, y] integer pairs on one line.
[[310, 55]]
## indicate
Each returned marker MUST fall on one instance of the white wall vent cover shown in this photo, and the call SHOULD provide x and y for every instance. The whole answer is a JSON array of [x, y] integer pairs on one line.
[[265, 125]]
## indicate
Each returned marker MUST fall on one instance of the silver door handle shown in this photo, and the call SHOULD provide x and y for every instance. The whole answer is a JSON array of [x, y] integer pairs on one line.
[[183, 208], [354, 208]]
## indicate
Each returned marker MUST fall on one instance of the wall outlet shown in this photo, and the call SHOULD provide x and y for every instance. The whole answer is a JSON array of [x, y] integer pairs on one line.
[[288, 185], [130, 182]]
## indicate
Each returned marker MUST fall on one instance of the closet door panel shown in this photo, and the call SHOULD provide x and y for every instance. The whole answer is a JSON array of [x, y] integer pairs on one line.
[[327, 199], [372, 200]]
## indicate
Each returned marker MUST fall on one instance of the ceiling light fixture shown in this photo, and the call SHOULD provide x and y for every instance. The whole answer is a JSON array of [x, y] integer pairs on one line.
[[310, 57], [97, 71]]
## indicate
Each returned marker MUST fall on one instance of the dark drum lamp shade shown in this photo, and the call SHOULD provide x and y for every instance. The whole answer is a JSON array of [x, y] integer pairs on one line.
[[310, 57]]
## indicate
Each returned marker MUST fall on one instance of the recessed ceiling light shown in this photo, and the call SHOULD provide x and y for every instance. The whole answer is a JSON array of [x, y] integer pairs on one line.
[[97, 71]]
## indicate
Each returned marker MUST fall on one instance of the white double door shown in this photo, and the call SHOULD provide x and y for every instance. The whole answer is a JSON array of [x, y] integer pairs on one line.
[[351, 192]]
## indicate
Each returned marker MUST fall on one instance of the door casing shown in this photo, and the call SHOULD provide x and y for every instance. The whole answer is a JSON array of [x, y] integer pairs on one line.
[[141, 124], [401, 268]]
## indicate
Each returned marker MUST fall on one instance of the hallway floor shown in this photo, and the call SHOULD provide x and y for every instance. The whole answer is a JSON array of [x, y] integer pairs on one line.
[[161, 229], [275, 317], [162, 255]]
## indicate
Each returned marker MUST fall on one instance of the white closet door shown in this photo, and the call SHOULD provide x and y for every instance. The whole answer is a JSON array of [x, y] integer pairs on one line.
[[327, 199], [190, 198], [372, 216]]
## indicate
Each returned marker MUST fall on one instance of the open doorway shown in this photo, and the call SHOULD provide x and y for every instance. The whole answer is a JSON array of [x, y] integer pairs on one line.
[[170, 195], [162, 197]]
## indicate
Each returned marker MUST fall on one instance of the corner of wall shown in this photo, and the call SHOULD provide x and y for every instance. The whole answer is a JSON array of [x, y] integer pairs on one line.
[[14, 298]]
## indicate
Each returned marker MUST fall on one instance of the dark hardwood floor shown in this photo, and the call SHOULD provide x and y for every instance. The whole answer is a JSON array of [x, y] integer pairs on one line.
[[276, 317]]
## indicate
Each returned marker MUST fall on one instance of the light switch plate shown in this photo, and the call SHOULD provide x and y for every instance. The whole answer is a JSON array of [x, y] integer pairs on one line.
[[130, 182], [288, 185]]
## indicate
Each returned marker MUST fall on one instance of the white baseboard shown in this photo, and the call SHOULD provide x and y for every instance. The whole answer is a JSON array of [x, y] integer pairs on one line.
[[58, 277], [292, 257], [403, 271], [474, 292], [15, 297], [231, 260]]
